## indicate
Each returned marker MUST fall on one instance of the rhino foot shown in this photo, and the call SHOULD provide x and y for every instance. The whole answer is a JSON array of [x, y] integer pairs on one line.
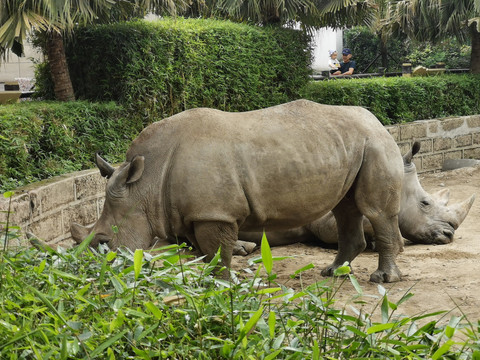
[[392, 275], [243, 248]]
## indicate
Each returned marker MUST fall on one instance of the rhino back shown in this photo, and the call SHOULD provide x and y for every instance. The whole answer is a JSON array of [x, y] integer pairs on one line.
[[274, 168]]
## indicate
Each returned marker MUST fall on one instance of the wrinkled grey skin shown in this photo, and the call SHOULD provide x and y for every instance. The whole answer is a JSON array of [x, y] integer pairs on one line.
[[204, 174], [423, 218]]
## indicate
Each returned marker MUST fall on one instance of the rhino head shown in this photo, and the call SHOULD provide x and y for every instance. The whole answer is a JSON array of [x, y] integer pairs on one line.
[[426, 218], [120, 209]]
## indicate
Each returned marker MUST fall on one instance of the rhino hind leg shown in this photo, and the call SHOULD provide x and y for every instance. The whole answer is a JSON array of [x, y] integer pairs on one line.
[[351, 240], [211, 235]]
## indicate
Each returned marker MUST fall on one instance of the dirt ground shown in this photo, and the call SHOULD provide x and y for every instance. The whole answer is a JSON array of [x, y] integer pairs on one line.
[[441, 277]]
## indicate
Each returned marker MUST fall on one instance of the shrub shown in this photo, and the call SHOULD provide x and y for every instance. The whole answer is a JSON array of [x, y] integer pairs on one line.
[[42, 139], [400, 99], [94, 303], [163, 67]]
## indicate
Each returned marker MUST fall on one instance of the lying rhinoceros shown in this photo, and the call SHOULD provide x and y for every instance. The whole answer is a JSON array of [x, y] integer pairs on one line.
[[423, 218], [204, 174]]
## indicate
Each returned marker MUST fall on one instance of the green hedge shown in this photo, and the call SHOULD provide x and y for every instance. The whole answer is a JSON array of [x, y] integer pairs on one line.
[[42, 139], [400, 99], [163, 67]]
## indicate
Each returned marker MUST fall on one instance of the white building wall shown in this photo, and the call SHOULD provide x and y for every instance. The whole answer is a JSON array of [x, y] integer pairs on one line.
[[19, 67], [323, 40]]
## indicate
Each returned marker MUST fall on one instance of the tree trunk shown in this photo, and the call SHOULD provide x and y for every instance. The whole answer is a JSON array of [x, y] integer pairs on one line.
[[475, 57], [384, 53], [57, 59]]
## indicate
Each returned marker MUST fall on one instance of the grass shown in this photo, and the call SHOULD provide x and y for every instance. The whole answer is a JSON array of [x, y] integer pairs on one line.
[[85, 303]]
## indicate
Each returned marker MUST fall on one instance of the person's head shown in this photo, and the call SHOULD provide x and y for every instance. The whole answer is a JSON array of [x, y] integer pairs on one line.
[[333, 54], [346, 54]]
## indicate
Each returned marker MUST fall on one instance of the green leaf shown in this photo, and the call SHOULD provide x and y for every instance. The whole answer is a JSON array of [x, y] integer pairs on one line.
[[99, 350], [273, 355], [250, 324], [305, 268], [154, 310], [271, 323], [355, 284], [380, 327], [342, 270], [137, 262], [8, 194], [266, 252], [442, 349], [83, 245]]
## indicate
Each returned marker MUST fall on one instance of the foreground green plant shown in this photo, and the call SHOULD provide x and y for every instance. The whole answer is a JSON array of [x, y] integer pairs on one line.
[[85, 303]]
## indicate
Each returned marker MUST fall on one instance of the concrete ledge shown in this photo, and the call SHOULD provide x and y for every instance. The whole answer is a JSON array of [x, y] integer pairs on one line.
[[9, 97]]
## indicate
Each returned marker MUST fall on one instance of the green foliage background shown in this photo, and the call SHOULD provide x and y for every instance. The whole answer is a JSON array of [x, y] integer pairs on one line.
[[365, 46], [42, 139], [399, 99], [159, 68]]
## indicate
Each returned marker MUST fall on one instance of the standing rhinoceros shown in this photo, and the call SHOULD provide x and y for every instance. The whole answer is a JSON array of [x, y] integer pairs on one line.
[[423, 218], [204, 174]]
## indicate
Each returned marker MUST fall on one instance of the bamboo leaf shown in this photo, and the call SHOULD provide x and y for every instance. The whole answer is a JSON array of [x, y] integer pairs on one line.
[[137, 262], [99, 350], [266, 252]]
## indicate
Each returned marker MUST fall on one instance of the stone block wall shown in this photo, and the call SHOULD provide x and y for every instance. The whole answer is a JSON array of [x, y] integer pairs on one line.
[[441, 139], [47, 208]]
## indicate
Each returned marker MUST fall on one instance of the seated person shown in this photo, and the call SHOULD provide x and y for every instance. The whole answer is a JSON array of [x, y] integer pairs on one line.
[[347, 66]]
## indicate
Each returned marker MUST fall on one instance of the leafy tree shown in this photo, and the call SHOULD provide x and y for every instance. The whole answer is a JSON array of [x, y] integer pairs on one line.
[[55, 19], [435, 20]]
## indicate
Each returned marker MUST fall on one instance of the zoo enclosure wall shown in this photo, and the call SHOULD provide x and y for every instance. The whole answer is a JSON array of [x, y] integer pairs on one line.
[[47, 208]]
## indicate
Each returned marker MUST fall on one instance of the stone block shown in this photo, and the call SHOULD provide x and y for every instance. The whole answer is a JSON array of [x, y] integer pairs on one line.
[[20, 210], [463, 140], [404, 147], [426, 146], [55, 195], [100, 203], [442, 143], [48, 228], [452, 124], [476, 138], [432, 162], [457, 154], [473, 121], [472, 153], [413, 131], [83, 213], [394, 130], [433, 126], [89, 185]]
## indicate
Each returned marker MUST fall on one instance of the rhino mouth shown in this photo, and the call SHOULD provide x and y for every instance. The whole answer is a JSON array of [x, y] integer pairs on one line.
[[443, 235]]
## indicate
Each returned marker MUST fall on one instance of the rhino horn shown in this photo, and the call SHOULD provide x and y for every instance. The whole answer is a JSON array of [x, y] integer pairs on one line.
[[106, 170], [460, 211], [407, 158], [80, 232], [442, 196]]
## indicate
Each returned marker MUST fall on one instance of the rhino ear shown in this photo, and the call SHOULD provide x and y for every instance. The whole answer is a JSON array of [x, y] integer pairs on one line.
[[407, 158], [106, 170], [131, 172]]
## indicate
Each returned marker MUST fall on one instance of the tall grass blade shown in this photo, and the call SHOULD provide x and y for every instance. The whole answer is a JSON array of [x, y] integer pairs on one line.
[[137, 262]]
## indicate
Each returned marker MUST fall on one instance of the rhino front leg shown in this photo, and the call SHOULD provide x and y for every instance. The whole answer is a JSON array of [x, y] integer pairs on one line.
[[385, 231], [351, 240], [211, 235]]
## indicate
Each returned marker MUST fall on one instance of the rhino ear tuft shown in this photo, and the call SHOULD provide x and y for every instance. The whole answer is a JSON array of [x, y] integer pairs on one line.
[[136, 169], [106, 170], [415, 148], [407, 158]]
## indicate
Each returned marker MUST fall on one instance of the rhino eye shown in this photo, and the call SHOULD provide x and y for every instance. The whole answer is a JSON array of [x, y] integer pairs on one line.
[[425, 202]]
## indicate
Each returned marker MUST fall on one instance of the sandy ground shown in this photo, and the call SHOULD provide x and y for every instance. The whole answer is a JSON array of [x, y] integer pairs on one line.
[[441, 277]]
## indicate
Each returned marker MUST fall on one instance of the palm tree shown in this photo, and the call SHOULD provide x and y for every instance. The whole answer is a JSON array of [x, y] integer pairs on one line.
[[434, 20], [309, 14], [55, 19]]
